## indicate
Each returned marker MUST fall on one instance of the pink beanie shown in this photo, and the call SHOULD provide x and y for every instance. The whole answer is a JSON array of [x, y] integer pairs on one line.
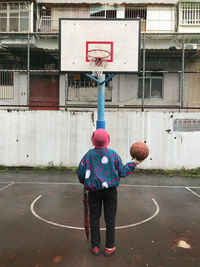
[[100, 138]]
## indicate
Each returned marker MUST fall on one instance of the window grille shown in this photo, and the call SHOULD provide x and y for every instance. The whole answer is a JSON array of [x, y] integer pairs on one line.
[[6, 85], [14, 16], [190, 13], [137, 12], [134, 12]]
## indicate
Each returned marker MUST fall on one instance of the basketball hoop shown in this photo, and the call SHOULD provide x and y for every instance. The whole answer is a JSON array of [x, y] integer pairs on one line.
[[98, 59]]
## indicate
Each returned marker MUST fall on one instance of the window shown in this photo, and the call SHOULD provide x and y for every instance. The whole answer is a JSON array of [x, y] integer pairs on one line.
[[81, 80], [153, 86], [103, 11], [84, 89], [190, 13], [14, 17], [6, 78], [134, 12], [131, 12], [6, 85]]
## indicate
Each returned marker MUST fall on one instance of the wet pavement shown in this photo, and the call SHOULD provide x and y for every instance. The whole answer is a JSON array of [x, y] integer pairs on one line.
[[41, 214]]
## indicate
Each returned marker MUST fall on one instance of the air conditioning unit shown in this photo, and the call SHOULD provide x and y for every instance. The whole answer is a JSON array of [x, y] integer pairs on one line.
[[191, 46]]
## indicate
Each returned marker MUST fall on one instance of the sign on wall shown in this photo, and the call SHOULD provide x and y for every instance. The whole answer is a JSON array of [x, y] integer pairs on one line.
[[186, 125]]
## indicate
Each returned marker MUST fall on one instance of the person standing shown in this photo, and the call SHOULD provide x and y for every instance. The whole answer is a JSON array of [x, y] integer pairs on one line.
[[100, 171]]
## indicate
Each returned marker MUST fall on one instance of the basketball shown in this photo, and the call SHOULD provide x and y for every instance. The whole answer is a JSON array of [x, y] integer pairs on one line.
[[139, 151]]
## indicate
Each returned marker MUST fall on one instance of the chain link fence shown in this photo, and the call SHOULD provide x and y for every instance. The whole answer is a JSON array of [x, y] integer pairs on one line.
[[169, 75]]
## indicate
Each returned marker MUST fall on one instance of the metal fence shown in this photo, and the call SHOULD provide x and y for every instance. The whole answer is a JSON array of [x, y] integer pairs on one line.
[[168, 78]]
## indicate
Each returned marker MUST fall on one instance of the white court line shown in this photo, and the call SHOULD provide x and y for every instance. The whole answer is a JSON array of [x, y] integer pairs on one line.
[[128, 185], [146, 220], [81, 228], [160, 186], [6, 186], [50, 183], [192, 191]]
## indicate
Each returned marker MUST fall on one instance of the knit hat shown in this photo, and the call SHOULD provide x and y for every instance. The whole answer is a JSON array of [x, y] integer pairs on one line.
[[100, 138]]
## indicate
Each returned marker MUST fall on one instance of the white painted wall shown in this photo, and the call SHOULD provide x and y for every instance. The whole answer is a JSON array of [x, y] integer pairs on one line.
[[160, 19], [42, 138], [125, 90], [189, 28]]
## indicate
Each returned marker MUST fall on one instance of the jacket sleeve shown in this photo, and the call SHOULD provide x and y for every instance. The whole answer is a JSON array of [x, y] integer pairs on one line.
[[124, 170], [81, 170]]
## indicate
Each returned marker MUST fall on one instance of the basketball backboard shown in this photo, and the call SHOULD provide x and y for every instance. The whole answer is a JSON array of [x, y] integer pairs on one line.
[[117, 40]]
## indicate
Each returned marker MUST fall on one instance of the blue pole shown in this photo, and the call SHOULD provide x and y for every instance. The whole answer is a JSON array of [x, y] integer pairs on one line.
[[101, 102], [100, 124]]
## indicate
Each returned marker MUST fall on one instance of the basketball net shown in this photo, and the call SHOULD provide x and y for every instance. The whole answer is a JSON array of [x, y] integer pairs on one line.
[[98, 59], [97, 69]]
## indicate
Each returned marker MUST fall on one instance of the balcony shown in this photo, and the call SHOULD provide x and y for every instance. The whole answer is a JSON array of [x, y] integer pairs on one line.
[[153, 19], [15, 16], [189, 19]]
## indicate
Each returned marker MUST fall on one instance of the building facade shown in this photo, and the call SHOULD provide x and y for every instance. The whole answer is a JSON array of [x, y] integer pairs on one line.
[[170, 58]]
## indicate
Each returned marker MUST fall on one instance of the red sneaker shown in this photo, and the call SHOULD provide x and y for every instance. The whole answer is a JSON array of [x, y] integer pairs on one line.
[[95, 251], [109, 251]]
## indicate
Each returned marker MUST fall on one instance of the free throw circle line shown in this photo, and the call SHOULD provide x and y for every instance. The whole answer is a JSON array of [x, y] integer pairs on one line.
[[141, 222], [81, 228]]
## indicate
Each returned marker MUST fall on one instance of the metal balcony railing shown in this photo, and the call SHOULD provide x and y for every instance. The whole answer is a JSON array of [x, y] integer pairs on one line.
[[46, 24], [153, 20]]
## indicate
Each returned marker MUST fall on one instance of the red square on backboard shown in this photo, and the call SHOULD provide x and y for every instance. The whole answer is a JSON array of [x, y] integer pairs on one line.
[[100, 45]]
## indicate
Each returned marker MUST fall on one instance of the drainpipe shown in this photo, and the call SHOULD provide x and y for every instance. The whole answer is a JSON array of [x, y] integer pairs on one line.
[[28, 70], [143, 72], [183, 73]]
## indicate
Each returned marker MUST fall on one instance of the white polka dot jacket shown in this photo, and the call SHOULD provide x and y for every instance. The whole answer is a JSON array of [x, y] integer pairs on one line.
[[102, 168]]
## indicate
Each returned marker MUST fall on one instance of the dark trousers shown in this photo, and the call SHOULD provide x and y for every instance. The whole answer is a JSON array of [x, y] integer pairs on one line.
[[107, 197]]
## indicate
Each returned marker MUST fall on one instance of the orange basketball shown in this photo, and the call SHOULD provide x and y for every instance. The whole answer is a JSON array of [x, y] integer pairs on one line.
[[139, 150]]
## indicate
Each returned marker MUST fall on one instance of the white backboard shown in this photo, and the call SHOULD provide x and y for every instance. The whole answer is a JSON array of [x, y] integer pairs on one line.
[[120, 37]]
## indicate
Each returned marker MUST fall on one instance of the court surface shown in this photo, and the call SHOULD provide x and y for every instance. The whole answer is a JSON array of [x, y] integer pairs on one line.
[[41, 214]]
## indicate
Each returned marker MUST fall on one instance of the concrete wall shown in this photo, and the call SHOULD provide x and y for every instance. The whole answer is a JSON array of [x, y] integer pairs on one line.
[[60, 138], [125, 90]]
